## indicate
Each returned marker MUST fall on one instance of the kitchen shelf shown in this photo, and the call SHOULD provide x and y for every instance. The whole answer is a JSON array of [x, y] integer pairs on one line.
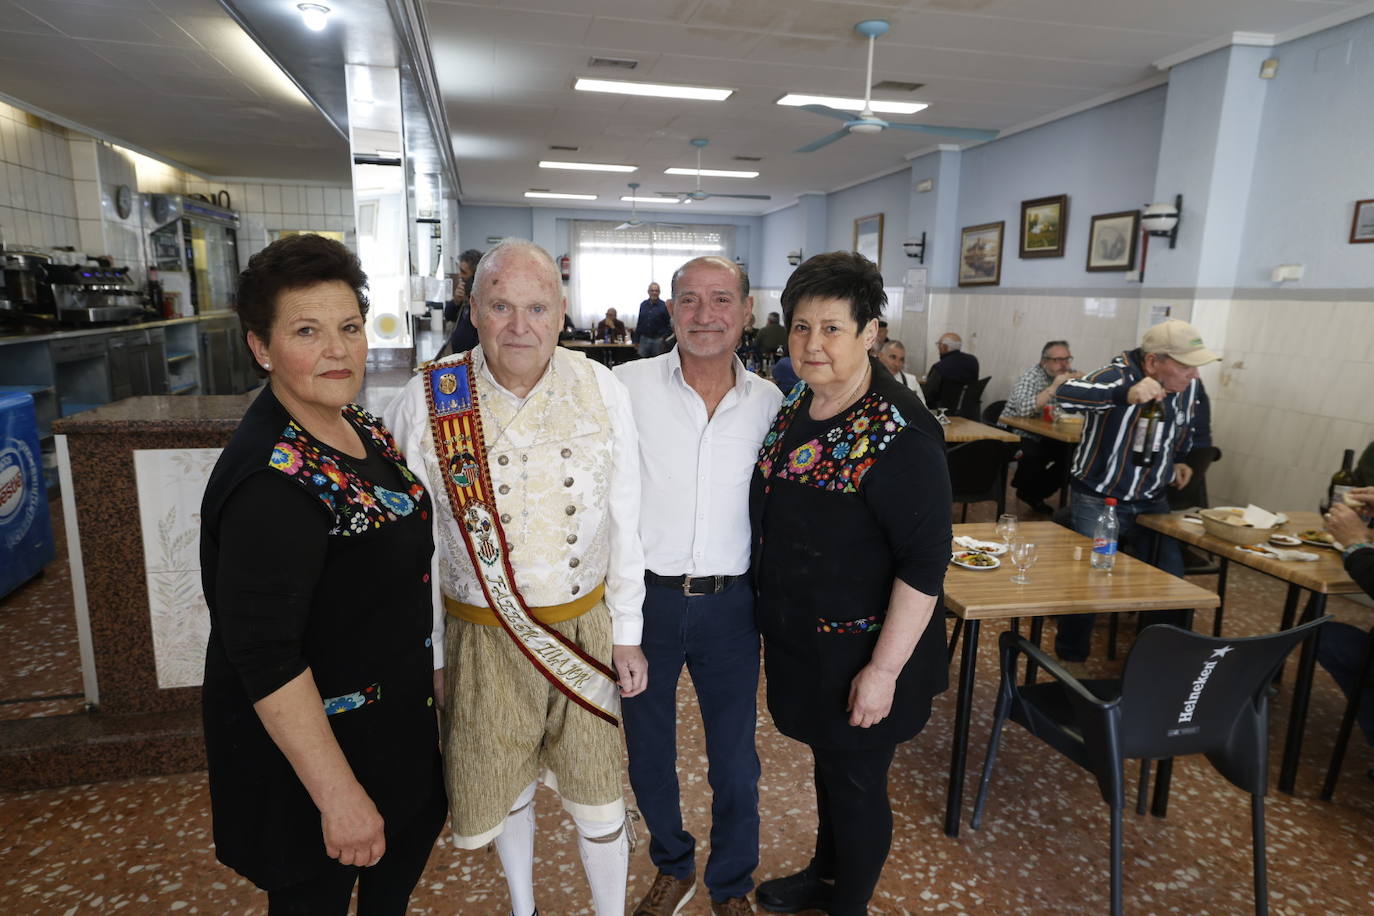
[[184, 389], [27, 389], [177, 356]]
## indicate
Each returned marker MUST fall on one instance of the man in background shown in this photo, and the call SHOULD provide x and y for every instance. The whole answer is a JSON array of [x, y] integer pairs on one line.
[[954, 367], [1040, 469], [892, 354], [458, 310], [610, 327], [772, 335], [879, 340], [652, 325]]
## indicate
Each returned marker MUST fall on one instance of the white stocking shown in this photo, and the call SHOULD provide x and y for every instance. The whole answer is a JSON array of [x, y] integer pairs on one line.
[[605, 850], [515, 846]]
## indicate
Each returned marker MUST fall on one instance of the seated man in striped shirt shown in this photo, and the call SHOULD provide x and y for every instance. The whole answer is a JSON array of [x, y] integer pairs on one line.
[[1118, 458]]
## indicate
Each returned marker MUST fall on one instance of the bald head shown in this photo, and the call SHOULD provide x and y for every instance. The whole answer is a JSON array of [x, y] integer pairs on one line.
[[508, 250]]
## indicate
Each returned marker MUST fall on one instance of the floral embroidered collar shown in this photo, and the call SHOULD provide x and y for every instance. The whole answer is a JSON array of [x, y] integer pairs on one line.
[[358, 505], [838, 459]]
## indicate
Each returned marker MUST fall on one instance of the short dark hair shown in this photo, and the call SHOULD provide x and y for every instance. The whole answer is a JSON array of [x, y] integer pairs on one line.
[[471, 256], [736, 266], [837, 275], [294, 262]]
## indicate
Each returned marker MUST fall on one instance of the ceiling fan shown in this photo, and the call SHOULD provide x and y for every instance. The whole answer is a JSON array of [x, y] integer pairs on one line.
[[865, 122], [634, 222], [699, 194]]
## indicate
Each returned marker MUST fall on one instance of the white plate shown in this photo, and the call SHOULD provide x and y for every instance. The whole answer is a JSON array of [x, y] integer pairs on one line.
[[1328, 544], [994, 548], [1284, 540], [957, 561]]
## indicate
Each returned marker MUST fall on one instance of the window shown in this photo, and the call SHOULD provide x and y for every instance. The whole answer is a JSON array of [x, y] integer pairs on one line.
[[612, 268]]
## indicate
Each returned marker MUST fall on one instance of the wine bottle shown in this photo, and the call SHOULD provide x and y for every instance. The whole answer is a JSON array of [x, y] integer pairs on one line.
[[1342, 480], [1145, 438]]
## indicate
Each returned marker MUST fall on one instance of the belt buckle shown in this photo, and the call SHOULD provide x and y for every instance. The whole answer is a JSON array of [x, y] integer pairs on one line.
[[687, 589]]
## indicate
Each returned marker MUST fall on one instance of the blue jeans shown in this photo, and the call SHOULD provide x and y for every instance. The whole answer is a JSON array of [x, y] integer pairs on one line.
[[715, 636], [1073, 642]]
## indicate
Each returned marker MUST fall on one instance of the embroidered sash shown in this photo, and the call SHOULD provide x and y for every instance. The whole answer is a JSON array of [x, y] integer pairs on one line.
[[456, 425]]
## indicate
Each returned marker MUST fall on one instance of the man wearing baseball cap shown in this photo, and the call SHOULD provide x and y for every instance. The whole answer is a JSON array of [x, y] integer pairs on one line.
[[1117, 458]]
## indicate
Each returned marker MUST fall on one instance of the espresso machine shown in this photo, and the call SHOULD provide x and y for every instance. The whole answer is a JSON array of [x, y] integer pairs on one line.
[[96, 293], [26, 292]]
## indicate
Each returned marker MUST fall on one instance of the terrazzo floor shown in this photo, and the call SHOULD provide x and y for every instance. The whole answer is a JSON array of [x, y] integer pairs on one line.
[[144, 845]]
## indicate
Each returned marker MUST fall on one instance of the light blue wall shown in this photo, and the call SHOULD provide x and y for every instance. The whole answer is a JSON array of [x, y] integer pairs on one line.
[[781, 234], [1104, 159], [1314, 162], [890, 196]]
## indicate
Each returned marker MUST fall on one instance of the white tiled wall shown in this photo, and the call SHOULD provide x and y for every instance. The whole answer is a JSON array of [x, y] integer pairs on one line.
[[265, 207], [37, 197]]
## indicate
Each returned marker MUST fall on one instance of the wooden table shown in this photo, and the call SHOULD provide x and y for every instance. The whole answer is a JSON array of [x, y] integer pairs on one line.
[[1071, 433], [1059, 585], [1325, 577], [962, 429], [608, 353]]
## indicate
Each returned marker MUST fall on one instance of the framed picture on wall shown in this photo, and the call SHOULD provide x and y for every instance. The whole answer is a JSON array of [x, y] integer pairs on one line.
[[868, 238], [1362, 226], [980, 255], [1112, 240], [1044, 222]]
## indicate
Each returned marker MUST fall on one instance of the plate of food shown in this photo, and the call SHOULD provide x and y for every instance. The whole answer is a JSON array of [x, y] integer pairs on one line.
[[1285, 540], [1259, 549], [976, 560], [973, 545], [1317, 538]]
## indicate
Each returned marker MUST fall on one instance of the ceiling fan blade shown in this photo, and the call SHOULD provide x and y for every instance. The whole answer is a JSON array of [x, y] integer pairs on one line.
[[625, 226], [828, 112], [742, 196], [672, 193], [824, 141], [968, 133]]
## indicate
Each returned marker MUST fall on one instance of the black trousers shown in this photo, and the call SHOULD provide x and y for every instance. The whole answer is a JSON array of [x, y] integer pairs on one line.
[[384, 889], [1040, 469], [854, 829]]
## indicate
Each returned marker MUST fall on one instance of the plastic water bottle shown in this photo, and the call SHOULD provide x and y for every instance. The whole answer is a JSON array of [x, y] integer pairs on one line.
[[1104, 537]]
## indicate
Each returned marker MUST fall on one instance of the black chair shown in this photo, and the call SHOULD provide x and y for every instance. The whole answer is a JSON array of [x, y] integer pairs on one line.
[[1180, 693], [971, 399], [950, 396], [993, 412], [978, 473]]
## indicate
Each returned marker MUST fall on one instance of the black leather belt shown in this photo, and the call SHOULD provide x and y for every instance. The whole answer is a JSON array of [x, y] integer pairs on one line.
[[691, 586]]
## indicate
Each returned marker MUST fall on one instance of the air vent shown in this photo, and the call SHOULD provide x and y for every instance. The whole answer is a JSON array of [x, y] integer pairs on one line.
[[613, 63], [748, 158], [563, 149], [897, 86]]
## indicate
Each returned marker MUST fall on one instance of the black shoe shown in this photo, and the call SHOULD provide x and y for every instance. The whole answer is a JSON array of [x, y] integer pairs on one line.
[[802, 891]]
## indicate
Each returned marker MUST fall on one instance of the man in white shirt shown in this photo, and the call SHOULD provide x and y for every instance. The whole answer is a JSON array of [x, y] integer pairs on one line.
[[892, 354], [525, 643], [701, 418]]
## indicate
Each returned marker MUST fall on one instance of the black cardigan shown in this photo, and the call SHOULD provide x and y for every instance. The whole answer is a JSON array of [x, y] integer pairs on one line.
[[312, 559]]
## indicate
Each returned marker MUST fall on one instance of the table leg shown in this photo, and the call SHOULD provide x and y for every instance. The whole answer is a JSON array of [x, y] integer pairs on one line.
[[963, 704], [1163, 774], [1223, 567], [1302, 692], [1290, 610]]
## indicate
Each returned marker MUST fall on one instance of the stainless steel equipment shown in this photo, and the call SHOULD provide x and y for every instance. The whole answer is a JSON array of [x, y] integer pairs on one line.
[[91, 294], [26, 288], [198, 240]]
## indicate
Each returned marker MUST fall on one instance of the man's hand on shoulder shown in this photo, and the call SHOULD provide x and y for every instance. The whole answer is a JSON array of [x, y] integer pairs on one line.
[[631, 669]]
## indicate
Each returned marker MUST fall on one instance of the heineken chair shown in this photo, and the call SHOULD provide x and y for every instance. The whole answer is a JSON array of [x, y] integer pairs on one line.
[[1180, 693]]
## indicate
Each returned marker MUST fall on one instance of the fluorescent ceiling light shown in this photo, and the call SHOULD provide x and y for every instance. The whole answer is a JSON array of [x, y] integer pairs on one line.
[[877, 105], [551, 195], [587, 166], [657, 90], [674, 247], [314, 15], [711, 173], [650, 200]]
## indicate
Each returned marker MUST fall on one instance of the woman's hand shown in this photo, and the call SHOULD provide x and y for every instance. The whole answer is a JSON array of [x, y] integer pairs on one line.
[[352, 828], [632, 669], [1345, 526], [870, 696]]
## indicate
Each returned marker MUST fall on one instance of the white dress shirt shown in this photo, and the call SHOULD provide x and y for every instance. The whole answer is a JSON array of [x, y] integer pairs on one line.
[[910, 382], [695, 469], [567, 490]]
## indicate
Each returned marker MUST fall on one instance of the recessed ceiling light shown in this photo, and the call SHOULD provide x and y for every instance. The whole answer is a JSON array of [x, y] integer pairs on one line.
[[587, 166], [315, 15], [711, 173], [657, 90], [553, 195], [650, 200], [877, 105]]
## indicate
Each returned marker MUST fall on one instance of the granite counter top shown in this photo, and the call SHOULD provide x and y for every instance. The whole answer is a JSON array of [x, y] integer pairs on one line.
[[163, 413]]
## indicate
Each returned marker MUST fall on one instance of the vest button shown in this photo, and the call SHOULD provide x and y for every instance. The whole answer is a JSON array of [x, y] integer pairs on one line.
[[576, 589], [505, 518], [566, 453], [503, 489], [572, 539], [567, 481], [574, 563], [503, 460], [571, 510]]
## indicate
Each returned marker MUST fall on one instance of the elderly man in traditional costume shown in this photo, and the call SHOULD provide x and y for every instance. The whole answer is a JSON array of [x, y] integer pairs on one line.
[[531, 453]]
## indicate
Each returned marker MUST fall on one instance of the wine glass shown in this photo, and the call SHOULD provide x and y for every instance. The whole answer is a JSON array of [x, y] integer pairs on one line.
[[1006, 528], [1023, 556]]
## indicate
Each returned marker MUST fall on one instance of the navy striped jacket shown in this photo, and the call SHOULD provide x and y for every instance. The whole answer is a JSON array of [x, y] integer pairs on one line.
[[1102, 462]]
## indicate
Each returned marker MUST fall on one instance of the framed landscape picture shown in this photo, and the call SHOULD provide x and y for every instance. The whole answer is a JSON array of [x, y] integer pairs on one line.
[[868, 238], [1112, 240], [1043, 224], [980, 255], [1362, 226]]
